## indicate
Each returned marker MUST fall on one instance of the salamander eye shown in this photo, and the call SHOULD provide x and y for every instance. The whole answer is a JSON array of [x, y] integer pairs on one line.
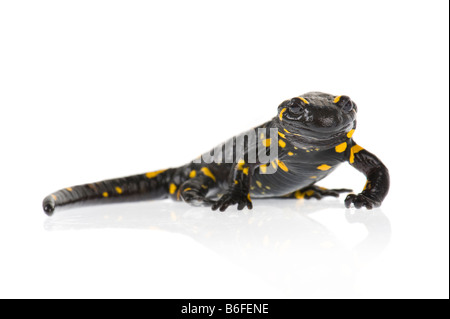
[[345, 103], [297, 105]]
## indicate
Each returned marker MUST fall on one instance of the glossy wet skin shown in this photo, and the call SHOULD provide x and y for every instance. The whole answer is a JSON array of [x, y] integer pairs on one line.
[[318, 118]]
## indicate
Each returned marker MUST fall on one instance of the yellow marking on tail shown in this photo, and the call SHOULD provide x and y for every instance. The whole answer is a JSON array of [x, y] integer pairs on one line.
[[54, 197], [69, 189], [154, 174], [267, 142], [119, 190], [105, 194], [282, 143]]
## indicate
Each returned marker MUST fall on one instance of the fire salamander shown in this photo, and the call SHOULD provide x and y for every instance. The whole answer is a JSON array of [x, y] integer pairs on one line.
[[314, 135]]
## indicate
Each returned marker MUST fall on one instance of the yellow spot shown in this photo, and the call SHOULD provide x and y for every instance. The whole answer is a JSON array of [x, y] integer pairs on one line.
[[263, 168], [283, 166], [354, 150], [105, 194], [368, 185], [267, 142], [337, 99], [193, 174], [245, 170], [313, 177], [268, 187], [259, 184], [303, 99], [299, 195], [187, 189], [208, 173], [262, 136], [310, 193], [324, 167], [54, 197], [204, 187], [69, 189], [119, 190], [236, 182], [341, 147], [172, 189], [282, 135], [249, 198], [154, 174], [291, 154], [287, 131], [240, 165], [350, 134], [281, 113], [274, 164], [282, 143]]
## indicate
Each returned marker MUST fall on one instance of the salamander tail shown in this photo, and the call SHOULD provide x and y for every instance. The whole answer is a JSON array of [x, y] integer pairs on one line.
[[154, 185]]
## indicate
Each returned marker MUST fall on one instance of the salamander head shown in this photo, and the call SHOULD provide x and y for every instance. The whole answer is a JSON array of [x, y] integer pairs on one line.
[[318, 118]]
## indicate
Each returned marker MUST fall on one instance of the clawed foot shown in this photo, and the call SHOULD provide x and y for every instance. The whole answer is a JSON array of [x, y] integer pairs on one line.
[[361, 200], [233, 198]]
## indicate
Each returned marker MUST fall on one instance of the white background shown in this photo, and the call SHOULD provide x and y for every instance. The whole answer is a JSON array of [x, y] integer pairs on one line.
[[91, 90]]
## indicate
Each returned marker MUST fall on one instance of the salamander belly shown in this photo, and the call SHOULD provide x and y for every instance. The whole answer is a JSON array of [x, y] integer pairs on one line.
[[285, 182]]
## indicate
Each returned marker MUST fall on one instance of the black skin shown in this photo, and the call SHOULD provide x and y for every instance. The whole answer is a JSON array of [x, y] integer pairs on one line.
[[315, 136]]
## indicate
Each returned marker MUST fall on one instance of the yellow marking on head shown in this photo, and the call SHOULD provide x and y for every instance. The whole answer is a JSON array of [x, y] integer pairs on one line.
[[291, 154], [54, 197], [259, 184], [299, 195], [354, 150], [154, 174], [341, 147], [69, 189], [281, 135], [282, 143], [249, 198], [105, 194], [179, 194], [193, 174], [245, 170], [263, 168], [337, 99], [281, 113], [324, 167], [350, 134], [172, 188], [303, 99], [208, 173], [119, 190], [283, 166], [310, 193], [313, 177], [187, 189], [267, 142], [287, 131]]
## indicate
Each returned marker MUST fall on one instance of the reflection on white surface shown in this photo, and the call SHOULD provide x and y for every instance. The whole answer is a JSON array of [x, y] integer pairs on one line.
[[280, 240]]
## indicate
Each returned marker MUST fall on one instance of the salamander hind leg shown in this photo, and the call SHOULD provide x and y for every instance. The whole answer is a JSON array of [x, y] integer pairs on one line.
[[317, 192], [195, 191]]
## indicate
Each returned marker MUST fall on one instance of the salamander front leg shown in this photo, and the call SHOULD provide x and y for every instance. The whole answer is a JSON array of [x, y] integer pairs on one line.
[[377, 185]]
